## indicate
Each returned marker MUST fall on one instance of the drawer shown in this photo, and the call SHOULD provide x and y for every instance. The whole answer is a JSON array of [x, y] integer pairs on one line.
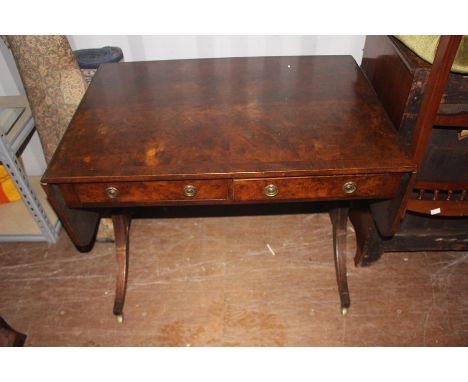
[[128, 193], [317, 187]]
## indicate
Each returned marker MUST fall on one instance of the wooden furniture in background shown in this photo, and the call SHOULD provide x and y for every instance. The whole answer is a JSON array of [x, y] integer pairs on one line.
[[224, 131], [429, 106]]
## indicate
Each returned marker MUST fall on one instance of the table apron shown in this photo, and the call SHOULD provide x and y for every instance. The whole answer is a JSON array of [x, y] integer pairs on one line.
[[230, 191]]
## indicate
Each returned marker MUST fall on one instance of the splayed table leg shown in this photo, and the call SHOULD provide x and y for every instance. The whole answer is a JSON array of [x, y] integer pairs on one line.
[[121, 229], [339, 217]]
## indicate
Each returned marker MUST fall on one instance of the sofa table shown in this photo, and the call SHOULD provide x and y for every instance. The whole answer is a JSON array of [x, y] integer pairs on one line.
[[223, 131]]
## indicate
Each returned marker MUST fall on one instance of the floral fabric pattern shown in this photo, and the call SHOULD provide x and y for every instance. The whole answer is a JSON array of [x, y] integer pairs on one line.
[[53, 82]]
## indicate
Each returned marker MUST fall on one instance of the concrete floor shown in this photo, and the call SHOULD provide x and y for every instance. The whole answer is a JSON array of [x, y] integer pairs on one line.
[[213, 281]]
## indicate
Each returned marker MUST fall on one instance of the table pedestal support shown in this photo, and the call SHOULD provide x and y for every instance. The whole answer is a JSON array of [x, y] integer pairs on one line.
[[339, 218], [121, 231]]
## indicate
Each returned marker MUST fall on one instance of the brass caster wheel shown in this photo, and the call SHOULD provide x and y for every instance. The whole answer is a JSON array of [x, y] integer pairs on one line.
[[344, 311], [119, 318]]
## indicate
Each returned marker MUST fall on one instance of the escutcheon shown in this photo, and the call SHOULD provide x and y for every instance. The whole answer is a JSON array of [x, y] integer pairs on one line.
[[190, 190], [349, 187], [112, 192], [271, 190]]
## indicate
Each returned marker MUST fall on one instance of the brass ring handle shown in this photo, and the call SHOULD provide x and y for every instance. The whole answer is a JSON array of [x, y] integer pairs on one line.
[[271, 190], [190, 190], [349, 187], [112, 192]]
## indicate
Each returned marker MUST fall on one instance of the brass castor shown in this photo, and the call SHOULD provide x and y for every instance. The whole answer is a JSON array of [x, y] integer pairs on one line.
[[119, 318], [344, 311]]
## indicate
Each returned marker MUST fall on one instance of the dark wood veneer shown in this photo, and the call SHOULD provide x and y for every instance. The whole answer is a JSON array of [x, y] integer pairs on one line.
[[228, 127], [218, 118], [150, 192], [317, 188]]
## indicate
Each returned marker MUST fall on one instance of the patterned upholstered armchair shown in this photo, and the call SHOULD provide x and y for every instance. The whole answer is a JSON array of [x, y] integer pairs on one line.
[[54, 86]]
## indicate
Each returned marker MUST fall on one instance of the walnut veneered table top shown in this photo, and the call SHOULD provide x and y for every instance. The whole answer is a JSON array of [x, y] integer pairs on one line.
[[228, 117], [223, 131]]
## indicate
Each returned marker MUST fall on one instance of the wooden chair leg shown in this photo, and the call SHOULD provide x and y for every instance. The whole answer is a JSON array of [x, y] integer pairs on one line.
[[339, 217], [121, 229]]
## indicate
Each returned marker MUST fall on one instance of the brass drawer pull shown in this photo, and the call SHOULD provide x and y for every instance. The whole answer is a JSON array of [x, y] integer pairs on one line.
[[349, 187], [112, 192], [271, 190], [190, 190]]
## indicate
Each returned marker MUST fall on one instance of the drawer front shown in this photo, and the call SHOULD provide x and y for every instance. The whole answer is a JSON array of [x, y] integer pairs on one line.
[[316, 187], [127, 193]]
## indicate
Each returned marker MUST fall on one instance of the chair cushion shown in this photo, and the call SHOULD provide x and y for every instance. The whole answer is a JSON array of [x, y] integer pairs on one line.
[[426, 46], [92, 58]]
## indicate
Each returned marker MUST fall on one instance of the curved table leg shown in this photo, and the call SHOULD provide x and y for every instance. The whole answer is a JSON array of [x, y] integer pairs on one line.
[[339, 217], [9, 336], [121, 229]]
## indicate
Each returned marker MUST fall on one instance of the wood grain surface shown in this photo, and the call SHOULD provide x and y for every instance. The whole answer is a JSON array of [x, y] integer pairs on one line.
[[230, 117]]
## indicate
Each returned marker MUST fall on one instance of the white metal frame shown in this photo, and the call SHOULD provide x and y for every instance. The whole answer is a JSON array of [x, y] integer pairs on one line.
[[8, 150]]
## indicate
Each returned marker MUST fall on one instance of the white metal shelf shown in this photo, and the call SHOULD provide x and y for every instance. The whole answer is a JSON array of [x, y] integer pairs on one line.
[[31, 219]]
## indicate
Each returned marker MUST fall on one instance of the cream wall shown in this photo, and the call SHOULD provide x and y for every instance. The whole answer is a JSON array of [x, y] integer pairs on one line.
[[141, 48], [10, 82]]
